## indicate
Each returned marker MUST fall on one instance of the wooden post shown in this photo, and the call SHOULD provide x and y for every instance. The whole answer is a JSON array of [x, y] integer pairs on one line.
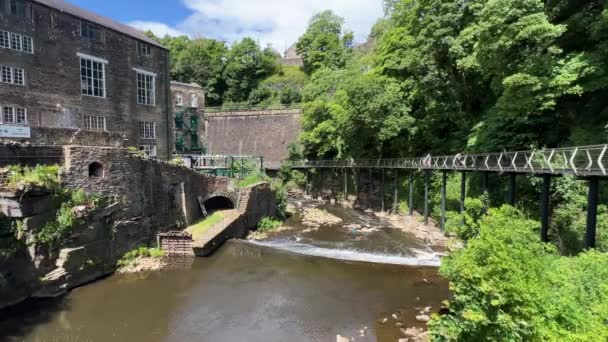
[[396, 192], [444, 185], [592, 199], [544, 208], [427, 176], [411, 194]]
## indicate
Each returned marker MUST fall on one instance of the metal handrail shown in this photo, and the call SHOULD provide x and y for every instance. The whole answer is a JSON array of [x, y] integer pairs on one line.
[[245, 107], [578, 161]]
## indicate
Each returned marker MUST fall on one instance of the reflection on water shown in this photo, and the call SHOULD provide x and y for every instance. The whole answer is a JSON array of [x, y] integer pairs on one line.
[[242, 293]]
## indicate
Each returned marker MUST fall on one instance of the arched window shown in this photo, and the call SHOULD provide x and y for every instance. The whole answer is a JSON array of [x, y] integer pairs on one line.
[[95, 170]]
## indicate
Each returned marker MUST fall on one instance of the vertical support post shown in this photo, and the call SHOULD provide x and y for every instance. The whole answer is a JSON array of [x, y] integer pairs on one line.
[[411, 194], [427, 176], [592, 199], [396, 192], [463, 190], [262, 166], [306, 182], [242, 167], [484, 182], [512, 188], [444, 185], [345, 184], [231, 173], [544, 209], [371, 188], [382, 190]]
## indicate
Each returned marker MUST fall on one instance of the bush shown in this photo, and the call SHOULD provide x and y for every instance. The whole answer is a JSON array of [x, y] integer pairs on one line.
[[281, 198], [140, 252], [268, 224], [508, 286], [33, 177], [466, 225]]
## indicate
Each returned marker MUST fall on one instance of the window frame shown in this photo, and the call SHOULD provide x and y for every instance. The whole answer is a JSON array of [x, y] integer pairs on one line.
[[86, 77], [12, 74], [88, 121], [88, 27], [9, 8], [16, 41], [144, 50], [151, 150], [145, 96], [179, 99], [147, 130], [14, 113]]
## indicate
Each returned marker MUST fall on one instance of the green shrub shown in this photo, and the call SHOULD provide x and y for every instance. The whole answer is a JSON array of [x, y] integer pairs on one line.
[[268, 224], [34, 177], [281, 198], [140, 252], [508, 286], [466, 225]]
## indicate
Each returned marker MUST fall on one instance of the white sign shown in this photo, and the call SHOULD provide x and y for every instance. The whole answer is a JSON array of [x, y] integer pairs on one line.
[[8, 131]]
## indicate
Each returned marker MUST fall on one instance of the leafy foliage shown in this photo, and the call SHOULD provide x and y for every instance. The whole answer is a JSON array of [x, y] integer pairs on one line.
[[508, 286], [140, 252], [268, 224], [33, 177]]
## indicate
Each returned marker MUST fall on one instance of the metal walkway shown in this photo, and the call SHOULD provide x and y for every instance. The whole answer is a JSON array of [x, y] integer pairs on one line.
[[578, 161]]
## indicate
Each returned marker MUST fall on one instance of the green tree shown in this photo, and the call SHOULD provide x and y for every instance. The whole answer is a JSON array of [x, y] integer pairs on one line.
[[324, 44]]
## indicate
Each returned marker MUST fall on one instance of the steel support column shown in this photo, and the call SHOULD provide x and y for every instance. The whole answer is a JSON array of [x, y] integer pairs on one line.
[[592, 200], [382, 190], [444, 184], [544, 208], [371, 188], [427, 178], [345, 185], [463, 190], [484, 182], [411, 194], [396, 192], [512, 188]]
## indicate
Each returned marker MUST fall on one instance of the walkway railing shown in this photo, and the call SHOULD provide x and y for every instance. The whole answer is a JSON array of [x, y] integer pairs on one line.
[[578, 161]]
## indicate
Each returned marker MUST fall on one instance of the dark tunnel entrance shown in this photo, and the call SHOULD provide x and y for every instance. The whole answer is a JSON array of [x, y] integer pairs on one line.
[[218, 203]]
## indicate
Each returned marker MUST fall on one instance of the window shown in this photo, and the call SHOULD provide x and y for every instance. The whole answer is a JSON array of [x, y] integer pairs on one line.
[[145, 50], [147, 130], [21, 115], [179, 99], [95, 123], [6, 75], [17, 8], [146, 87], [89, 31], [15, 41], [148, 150], [8, 115], [92, 76], [12, 75], [193, 100]]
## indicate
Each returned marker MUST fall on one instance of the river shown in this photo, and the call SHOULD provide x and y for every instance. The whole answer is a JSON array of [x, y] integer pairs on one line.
[[298, 285]]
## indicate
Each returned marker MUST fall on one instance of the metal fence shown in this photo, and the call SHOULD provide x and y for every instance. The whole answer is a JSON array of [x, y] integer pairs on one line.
[[578, 161], [245, 107]]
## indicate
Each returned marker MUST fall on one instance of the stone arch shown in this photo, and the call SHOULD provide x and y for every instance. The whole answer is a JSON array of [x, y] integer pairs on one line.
[[96, 170], [221, 200]]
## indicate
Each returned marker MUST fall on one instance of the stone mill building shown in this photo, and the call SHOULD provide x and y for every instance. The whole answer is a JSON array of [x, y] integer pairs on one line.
[[68, 76]]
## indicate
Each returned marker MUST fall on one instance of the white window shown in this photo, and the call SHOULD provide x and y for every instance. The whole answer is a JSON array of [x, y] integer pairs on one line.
[[8, 115], [148, 150], [194, 100], [12, 75], [28, 44], [179, 99], [95, 123], [146, 87], [18, 76], [4, 40], [6, 75], [145, 50], [16, 42], [14, 115], [147, 130], [21, 115], [92, 76]]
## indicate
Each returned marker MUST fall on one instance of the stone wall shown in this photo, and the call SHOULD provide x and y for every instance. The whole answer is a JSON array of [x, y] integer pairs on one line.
[[142, 198], [69, 136], [258, 133]]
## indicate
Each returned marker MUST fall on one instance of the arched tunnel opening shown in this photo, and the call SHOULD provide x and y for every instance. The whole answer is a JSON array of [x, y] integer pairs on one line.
[[218, 203]]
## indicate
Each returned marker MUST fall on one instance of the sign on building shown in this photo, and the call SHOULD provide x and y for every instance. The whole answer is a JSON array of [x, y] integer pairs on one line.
[[8, 131]]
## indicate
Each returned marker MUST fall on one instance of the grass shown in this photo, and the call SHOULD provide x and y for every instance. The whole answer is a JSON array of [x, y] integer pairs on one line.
[[199, 229], [141, 252], [252, 179]]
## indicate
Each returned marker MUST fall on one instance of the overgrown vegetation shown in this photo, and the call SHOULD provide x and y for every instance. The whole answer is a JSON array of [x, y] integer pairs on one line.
[[198, 230], [140, 252], [25, 177], [508, 286], [73, 207], [268, 224]]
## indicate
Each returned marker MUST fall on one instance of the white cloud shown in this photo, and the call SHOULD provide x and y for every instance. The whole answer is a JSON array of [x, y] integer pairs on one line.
[[159, 29], [275, 22]]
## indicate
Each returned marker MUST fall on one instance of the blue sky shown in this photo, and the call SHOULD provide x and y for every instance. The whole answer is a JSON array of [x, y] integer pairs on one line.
[[275, 22]]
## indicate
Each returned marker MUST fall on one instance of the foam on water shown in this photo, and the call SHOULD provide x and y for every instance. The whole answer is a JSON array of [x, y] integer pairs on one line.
[[418, 257]]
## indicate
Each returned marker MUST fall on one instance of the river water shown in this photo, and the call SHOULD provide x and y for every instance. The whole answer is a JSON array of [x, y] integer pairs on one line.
[[299, 285]]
